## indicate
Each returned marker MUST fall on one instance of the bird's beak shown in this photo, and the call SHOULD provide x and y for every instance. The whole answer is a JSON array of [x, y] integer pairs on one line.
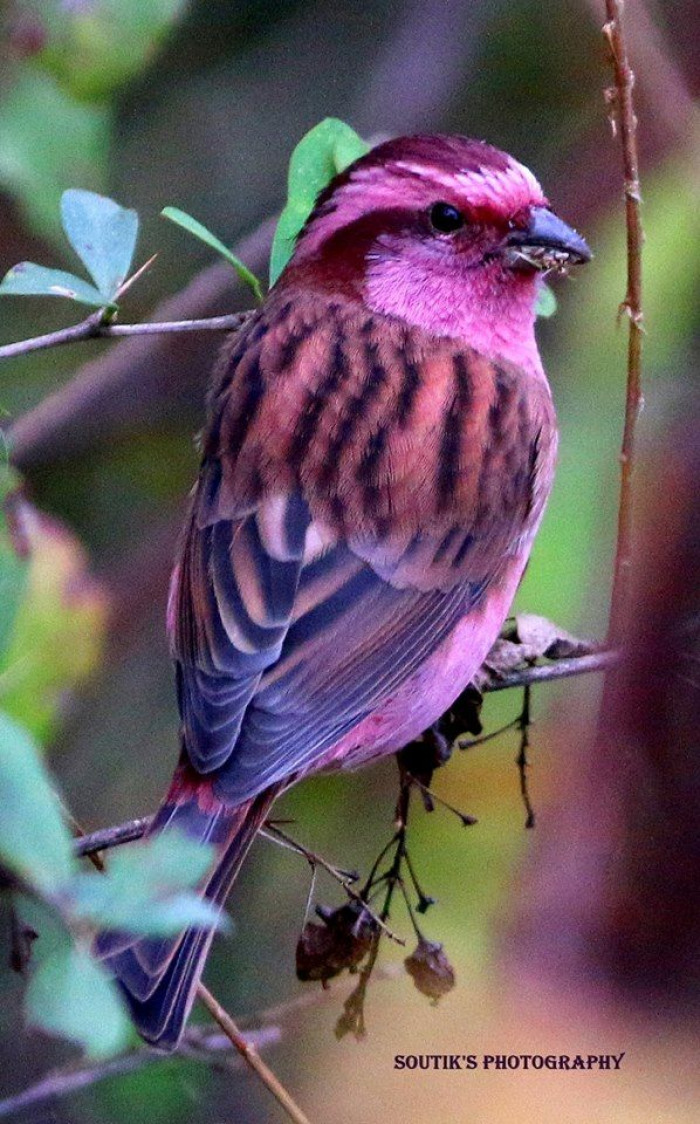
[[545, 243]]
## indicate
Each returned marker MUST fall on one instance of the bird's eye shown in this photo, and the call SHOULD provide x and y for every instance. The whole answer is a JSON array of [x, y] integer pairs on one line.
[[445, 218]]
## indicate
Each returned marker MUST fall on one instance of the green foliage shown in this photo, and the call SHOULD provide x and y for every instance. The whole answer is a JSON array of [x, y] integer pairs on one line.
[[319, 156], [180, 218], [103, 235], [13, 568], [48, 142], [58, 621], [71, 995], [34, 844], [144, 889], [92, 49]]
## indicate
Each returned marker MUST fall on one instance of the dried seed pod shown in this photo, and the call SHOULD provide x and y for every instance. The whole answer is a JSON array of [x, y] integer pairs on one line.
[[342, 941], [430, 969]]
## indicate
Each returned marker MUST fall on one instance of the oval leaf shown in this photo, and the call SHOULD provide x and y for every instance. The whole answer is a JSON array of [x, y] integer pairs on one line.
[[26, 279], [71, 995], [103, 235], [34, 843], [192, 226], [320, 155]]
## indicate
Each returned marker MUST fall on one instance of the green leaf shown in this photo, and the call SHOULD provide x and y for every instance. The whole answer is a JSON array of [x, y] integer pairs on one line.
[[93, 47], [49, 142], [146, 888], [319, 156], [34, 844], [103, 235], [192, 226], [13, 568], [59, 627], [71, 995], [546, 304], [26, 279]]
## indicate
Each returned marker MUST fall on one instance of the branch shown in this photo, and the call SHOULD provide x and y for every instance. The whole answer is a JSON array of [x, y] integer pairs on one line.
[[103, 840], [95, 327], [195, 1044], [247, 1050], [142, 379], [624, 121], [548, 673]]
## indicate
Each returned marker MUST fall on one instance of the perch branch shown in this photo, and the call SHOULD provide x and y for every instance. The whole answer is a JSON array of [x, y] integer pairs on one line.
[[247, 1050], [95, 327], [624, 122], [103, 840]]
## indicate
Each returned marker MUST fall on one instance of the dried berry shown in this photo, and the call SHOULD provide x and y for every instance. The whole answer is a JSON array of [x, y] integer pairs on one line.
[[342, 941], [430, 969]]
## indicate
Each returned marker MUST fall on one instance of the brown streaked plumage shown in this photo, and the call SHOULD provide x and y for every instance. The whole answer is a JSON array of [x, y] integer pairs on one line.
[[378, 453]]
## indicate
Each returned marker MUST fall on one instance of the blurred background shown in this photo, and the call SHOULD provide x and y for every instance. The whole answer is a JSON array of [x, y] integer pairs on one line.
[[580, 937]]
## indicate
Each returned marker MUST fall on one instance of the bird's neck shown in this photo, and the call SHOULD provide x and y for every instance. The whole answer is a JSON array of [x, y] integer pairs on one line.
[[494, 314], [492, 311]]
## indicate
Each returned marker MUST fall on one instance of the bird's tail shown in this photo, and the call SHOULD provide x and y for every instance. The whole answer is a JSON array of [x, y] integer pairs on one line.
[[159, 976]]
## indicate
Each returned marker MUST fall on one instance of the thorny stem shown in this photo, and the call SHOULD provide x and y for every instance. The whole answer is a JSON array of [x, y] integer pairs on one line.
[[97, 326], [522, 762], [624, 121]]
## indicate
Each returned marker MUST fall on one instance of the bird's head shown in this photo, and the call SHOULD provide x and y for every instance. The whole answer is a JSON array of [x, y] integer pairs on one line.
[[447, 233]]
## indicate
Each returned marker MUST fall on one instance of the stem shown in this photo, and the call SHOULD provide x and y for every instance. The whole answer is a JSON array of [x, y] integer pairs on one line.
[[95, 327], [625, 121], [248, 1051], [317, 860]]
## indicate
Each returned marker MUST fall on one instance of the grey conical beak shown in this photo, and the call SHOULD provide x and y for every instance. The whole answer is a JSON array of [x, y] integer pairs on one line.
[[547, 239]]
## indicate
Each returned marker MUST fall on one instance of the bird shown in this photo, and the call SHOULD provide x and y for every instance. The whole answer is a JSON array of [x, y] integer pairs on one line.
[[379, 448]]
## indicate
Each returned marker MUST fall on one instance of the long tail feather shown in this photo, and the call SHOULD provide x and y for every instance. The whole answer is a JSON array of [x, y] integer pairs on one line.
[[159, 976]]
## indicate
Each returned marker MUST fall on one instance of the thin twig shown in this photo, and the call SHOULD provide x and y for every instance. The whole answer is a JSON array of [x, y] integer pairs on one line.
[[547, 673], [95, 327], [90, 843], [63, 1082], [271, 830], [524, 722], [624, 121], [248, 1051]]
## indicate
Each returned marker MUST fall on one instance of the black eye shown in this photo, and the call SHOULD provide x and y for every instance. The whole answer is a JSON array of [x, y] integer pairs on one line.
[[445, 218]]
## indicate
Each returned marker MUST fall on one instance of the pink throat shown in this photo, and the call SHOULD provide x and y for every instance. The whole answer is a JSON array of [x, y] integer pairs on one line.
[[493, 311]]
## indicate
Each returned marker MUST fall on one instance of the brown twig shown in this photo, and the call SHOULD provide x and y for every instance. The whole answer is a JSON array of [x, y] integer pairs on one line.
[[248, 1051], [624, 122], [245, 1047], [272, 831], [61, 1083], [96, 327]]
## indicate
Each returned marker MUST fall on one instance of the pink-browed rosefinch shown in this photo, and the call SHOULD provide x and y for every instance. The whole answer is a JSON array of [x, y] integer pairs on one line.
[[379, 450]]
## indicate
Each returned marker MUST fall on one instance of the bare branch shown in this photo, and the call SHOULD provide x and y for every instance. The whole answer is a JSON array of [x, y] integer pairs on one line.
[[61, 1083], [547, 673], [624, 122], [249, 1053], [95, 327], [89, 844]]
